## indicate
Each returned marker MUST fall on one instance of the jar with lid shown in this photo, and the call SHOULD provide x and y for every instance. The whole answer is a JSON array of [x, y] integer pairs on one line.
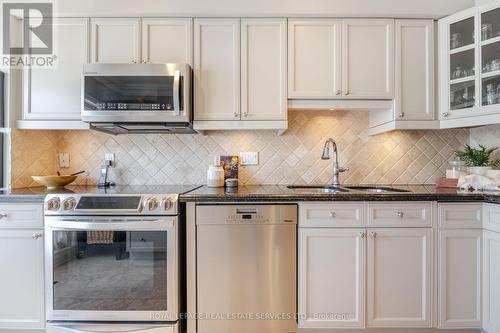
[[215, 176], [456, 169]]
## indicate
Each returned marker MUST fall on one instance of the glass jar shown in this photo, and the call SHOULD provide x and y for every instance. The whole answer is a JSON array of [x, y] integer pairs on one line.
[[456, 169]]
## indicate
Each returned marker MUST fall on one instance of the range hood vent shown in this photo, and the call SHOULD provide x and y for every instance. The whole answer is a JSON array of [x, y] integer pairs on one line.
[[143, 128]]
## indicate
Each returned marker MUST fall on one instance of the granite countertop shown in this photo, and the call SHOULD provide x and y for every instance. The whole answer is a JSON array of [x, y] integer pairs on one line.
[[264, 193], [284, 194]]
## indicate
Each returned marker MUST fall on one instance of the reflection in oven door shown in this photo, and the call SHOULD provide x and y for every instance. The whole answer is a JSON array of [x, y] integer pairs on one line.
[[110, 270]]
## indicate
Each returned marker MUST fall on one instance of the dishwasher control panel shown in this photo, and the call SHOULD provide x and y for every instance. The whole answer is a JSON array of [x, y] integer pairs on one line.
[[246, 214]]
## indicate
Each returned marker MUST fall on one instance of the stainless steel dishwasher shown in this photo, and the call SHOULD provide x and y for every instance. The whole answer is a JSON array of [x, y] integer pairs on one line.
[[246, 268]]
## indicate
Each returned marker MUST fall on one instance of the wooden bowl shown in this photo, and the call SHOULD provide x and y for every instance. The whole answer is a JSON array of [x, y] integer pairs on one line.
[[54, 181]]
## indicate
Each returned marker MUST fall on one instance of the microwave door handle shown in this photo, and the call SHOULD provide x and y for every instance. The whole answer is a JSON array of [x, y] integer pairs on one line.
[[176, 92]]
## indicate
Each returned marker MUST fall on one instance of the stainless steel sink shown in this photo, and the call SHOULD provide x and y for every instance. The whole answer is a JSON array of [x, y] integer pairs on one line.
[[377, 189], [318, 188]]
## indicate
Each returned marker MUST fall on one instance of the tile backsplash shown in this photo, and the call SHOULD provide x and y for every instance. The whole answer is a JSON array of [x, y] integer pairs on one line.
[[488, 136], [401, 157]]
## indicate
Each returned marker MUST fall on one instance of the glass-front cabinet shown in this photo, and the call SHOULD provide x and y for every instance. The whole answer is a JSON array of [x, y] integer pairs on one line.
[[470, 64]]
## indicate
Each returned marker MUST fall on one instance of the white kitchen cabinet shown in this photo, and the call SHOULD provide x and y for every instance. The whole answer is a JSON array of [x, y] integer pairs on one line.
[[469, 48], [414, 70], [368, 59], [341, 59], [167, 40], [314, 58], [399, 275], [115, 40], [459, 278], [58, 103], [491, 282], [217, 69], [22, 279], [263, 69], [331, 278]]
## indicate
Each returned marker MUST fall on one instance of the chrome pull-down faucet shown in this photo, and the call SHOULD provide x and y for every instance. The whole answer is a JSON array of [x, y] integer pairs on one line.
[[326, 156]]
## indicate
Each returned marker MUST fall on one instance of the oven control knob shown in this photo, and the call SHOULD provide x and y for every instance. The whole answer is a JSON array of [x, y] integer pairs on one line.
[[69, 203], [167, 203], [54, 204], [151, 204]]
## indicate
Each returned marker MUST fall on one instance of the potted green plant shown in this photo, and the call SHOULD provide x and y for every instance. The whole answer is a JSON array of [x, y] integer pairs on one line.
[[478, 159]]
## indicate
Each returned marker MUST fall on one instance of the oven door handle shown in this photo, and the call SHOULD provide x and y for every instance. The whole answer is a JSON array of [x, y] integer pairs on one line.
[[176, 92], [87, 328], [140, 225]]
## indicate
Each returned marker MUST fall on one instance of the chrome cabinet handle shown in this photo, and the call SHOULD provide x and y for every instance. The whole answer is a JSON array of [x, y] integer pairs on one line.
[[2, 216], [176, 92], [400, 214], [362, 234], [36, 236], [373, 234], [333, 215]]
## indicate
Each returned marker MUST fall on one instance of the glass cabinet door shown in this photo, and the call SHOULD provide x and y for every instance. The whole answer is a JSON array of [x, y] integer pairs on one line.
[[490, 57], [462, 64]]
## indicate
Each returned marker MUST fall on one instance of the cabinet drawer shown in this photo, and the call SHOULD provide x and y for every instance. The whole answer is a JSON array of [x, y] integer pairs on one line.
[[460, 215], [331, 215], [400, 214], [492, 217], [21, 215]]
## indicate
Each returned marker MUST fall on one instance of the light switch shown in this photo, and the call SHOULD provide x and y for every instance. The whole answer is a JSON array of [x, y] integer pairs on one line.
[[249, 158], [64, 160], [110, 158]]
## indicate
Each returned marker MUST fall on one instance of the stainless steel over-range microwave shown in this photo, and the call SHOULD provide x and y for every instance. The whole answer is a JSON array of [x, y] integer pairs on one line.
[[138, 98]]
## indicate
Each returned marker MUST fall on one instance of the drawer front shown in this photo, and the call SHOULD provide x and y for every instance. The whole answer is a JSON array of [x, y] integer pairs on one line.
[[492, 217], [460, 215], [21, 215], [348, 214], [400, 214]]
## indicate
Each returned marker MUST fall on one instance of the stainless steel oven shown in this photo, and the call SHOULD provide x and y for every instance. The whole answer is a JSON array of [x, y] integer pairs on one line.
[[112, 260], [132, 98]]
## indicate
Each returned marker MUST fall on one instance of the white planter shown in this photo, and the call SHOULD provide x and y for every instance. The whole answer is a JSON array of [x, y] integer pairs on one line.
[[481, 171]]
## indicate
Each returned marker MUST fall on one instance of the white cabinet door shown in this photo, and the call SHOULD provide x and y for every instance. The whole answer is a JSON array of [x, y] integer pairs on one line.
[[399, 264], [459, 279], [167, 40], [415, 69], [314, 58], [55, 93], [331, 277], [491, 282], [217, 69], [263, 69], [368, 59], [115, 40], [22, 279]]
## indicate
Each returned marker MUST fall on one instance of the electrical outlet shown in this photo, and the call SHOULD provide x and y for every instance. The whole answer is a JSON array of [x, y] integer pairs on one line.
[[249, 158], [64, 160], [110, 158]]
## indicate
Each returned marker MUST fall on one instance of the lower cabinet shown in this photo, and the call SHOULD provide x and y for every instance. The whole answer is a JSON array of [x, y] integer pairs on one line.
[[459, 286], [399, 277], [491, 282], [331, 277], [22, 279]]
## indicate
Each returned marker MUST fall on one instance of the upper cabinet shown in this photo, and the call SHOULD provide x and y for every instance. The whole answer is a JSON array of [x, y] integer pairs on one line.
[[167, 40], [115, 40], [59, 100], [368, 59], [240, 74], [217, 69], [328, 59], [469, 44]]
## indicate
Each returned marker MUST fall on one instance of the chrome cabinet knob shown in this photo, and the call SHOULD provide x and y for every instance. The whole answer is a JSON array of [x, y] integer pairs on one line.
[[69, 203], [134, 61], [333, 215], [3, 216], [144, 62], [445, 114], [338, 92], [400, 214], [362, 234], [36, 236], [151, 204], [373, 234], [401, 115], [54, 204], [236, 115], [348, 92]]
